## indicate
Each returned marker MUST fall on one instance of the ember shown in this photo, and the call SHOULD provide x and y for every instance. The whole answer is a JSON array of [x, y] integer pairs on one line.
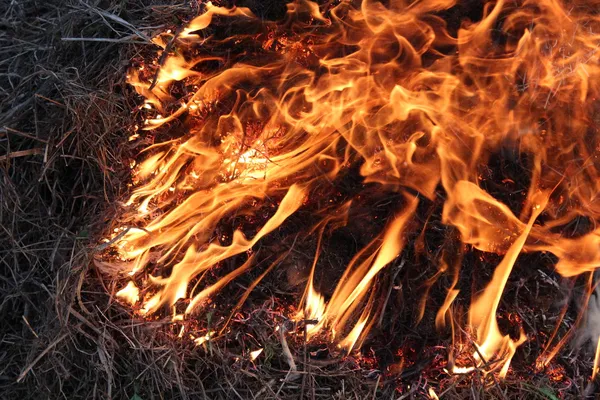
[[391, 127]]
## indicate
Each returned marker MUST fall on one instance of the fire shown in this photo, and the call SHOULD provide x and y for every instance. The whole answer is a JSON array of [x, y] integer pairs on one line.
[[314, 309], [130, 293], [262, 128], [203, 339], [596, 360], [254, 354], [483, 310], [432, 394], [349, 341]]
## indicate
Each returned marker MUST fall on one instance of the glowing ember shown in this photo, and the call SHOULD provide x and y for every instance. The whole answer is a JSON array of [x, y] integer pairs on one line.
[[265, 130]]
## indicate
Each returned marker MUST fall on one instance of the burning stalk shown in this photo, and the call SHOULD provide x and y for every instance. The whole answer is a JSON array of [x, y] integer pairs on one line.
[[263, 128]]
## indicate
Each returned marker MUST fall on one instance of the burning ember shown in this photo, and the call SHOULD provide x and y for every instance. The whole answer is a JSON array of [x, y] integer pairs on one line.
[[381, 140]]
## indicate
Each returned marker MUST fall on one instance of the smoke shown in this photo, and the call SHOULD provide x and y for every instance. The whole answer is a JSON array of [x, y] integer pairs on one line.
[[590, 331]]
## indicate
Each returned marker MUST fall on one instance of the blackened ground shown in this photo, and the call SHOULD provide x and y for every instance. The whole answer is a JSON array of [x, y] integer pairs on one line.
[[64, 118]]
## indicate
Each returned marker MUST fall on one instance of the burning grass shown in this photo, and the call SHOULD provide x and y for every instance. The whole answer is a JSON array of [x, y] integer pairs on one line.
[[67, 331]]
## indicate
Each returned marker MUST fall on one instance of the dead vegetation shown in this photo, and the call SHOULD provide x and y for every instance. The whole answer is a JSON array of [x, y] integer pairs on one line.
[[64, 118]]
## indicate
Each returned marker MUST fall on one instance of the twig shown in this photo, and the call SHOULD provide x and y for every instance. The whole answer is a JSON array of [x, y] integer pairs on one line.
[[127, 39], [286, 349], [105, 245], [29, 326], [376, 386], [389, 293], [39, 357], [306, 367], [118, 20], [21, 153], [19, 133], [164, 56]]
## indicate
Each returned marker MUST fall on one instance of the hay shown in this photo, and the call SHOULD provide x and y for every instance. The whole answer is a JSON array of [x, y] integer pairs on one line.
[[64, 112]]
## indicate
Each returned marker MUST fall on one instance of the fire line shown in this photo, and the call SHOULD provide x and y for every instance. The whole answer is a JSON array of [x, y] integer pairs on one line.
[[252, 136]]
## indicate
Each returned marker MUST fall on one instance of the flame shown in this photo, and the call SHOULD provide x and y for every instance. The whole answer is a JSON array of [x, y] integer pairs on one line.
[[313, 310], [462, 370], [263, 127], [254, 354], [349, 341], [596, 361], [203, 339], [490, 340], [432, 394], [130, 293]]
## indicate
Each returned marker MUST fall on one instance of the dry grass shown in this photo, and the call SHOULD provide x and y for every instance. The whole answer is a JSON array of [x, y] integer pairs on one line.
[[64, 113]]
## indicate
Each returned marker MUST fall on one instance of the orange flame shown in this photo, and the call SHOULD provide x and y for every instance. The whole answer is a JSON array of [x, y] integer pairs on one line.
[[483, 310]]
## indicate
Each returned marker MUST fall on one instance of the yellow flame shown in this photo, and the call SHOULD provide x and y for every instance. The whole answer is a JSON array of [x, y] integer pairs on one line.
[[130, 293], [255, 353], [432, 394], [314, 310], [596, 361], [349, 341], [462, 370], [203, 339]]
